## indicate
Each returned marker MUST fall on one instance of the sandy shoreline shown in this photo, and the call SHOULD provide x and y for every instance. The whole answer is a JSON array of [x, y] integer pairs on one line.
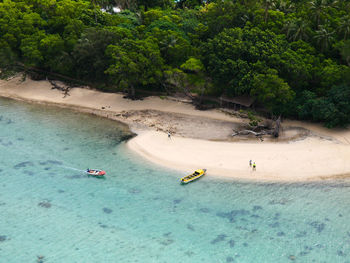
[[202, 138]]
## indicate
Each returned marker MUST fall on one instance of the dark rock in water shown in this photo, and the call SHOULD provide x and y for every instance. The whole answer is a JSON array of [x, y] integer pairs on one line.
[[231, 243], [219, 238], [60, 191], [277, 216], [47, 168], [20, 139], [292, 257], [134, 191], [103, 226], [301, 234], [3, 238], [318, 226], [281, 234], [303, 253], [233, 214], [204, 210], [257, 207], [340, 253], [6, 144], [189, 253], [167, 242], [229, 259], [167, 234], [319, 246], [40, 259], [51, 162], [282, 201], [107, 210], [308, 248], [28, 173], [274, 225], [190, 227], [23, 164], [255, 216], [126, 137], [76, 176], [45, 204], [54, 162], [177, 201]]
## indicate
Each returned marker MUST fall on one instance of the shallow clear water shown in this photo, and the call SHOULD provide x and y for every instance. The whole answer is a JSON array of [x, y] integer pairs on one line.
[[140, 212]]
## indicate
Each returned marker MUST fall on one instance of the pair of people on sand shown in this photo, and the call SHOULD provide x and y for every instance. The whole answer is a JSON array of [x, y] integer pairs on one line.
[[252, 164]]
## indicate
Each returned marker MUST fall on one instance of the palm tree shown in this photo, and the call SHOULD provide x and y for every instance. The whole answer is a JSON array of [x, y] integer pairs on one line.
[[324, 37], [299, 30], [345, 52], [317, 6], [284, 6], [344, 26], [267, 5]]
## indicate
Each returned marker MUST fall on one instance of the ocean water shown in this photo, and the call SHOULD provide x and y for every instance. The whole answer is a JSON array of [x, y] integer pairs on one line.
[[140, 212]]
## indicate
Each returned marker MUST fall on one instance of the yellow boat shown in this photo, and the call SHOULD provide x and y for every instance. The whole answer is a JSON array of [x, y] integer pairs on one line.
[[189, 178]]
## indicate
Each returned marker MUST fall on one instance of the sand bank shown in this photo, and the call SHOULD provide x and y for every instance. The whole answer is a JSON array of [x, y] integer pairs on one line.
[[310, 159], [323, 154]]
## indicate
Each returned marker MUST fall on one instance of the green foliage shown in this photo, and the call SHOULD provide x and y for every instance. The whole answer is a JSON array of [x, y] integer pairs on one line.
[[253, 119], [272, 91], [269, 49], [136, 63]]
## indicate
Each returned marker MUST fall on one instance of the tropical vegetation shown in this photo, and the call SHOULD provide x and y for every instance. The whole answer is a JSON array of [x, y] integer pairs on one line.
[[292, 56]]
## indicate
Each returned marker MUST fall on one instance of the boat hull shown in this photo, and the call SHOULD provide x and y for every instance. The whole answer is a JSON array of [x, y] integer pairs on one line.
[[194, 176]]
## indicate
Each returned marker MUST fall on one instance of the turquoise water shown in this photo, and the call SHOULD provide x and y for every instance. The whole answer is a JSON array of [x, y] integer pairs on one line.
[[140, 213]]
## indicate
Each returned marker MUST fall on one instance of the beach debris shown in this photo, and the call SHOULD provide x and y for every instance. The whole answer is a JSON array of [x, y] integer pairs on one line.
[[261, 130], [61, 87]]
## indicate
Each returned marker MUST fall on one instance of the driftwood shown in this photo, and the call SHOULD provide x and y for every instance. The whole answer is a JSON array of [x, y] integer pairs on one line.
[[65, 89], [261, 130], [250, 132]]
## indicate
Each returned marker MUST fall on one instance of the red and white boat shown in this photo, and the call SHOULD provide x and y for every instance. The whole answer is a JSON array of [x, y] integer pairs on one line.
[[95, 172]]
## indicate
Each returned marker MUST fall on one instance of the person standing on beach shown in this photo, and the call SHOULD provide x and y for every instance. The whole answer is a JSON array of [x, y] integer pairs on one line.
[[250, 163], [169, 135], [254, 166]]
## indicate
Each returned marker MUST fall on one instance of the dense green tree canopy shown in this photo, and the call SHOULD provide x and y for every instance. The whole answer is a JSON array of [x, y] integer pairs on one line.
[[292, 56]]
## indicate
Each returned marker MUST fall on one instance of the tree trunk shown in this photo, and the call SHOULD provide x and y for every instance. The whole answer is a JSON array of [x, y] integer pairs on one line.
[[131, 91], [277, 127]]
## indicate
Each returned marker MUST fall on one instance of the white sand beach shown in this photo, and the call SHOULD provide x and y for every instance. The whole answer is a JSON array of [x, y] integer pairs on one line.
[[202, 139]]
